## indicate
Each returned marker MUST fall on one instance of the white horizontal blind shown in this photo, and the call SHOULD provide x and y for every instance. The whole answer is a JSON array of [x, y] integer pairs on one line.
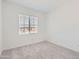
[[28, 24], [33, 24]]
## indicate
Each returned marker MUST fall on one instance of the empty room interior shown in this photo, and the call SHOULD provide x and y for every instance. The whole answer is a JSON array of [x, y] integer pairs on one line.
[[39, 29]]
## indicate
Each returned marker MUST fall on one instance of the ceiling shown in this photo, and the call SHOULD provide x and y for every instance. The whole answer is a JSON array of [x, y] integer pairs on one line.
[[40, 5]]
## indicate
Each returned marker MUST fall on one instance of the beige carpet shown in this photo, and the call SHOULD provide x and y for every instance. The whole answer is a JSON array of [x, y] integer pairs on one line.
[[41, 50]]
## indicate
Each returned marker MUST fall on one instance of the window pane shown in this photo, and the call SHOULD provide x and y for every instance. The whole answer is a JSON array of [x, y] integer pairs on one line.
[[26, 19], [26, 24], [33, 24], [34, 21], [23, 24], [34, 30], [21, 21]]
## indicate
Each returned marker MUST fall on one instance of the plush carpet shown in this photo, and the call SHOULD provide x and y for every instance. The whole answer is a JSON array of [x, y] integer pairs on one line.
[[41, 50]]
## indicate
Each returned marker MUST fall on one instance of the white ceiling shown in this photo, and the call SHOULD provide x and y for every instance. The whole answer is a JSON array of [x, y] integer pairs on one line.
[[41, 5]]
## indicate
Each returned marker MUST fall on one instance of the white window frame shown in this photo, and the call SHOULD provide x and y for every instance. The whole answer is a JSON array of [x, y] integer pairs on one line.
[[29, 23]]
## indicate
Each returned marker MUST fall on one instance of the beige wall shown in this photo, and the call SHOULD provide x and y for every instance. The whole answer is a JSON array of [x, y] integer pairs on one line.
[[0, 25], [10, 20], [63, 25]]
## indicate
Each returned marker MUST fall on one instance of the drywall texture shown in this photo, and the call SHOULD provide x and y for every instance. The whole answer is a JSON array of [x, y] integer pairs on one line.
[[0, 25], [63, 25], [11, 37], [41, 50]]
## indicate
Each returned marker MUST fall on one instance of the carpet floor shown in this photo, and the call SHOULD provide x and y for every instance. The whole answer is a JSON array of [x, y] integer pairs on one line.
[[41, 50]]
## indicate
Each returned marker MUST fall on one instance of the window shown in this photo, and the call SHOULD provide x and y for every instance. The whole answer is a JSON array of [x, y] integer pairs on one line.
[[28, 24]]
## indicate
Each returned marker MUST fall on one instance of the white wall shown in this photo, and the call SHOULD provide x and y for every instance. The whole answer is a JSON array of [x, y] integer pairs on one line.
[[63, 25], [10, 20], [0, 26]]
